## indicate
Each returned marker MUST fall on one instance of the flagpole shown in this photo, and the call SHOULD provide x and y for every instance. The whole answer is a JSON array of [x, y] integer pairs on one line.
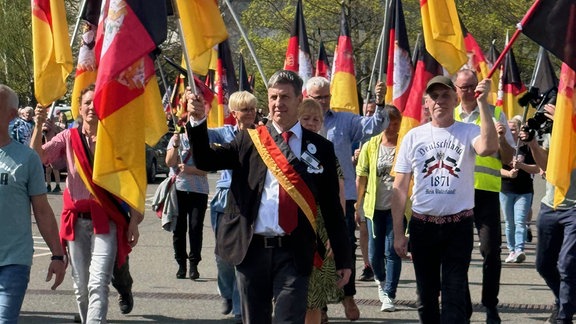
[[527, 16], [77, 26], [378, 51], [191, 83], [414, 59], [248, 43], [165, 83], [386, 22], [74, 33]]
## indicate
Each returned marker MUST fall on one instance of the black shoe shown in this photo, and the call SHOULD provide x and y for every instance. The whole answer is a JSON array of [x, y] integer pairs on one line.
[[49, 188], [238, 319], [194, 274], [529, 235], [552, 318], [126, 303], [77, 318], [226, 306], [56, 189], [492, 316], [181, 274], [367, 274]]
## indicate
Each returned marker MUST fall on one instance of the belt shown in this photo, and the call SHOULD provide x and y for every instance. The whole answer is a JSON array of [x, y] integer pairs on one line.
[[84, 215], [454, 218], [270, 242]]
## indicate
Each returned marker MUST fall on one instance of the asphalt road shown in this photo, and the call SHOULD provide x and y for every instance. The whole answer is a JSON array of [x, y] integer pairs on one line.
[[161, 298]]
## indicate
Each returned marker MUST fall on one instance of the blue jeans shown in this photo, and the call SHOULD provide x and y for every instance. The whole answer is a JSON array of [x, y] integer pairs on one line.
[[13, 283], [515, 208], [227, 285], [350, 287], [385, 263], [441, 256], [556, 257]]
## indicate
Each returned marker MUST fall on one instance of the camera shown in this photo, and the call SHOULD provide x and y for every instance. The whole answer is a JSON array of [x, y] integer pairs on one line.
[[538, 123]]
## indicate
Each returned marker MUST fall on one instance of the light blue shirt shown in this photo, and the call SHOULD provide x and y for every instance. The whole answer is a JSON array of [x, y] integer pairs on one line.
[[343, 129], [21, 177]]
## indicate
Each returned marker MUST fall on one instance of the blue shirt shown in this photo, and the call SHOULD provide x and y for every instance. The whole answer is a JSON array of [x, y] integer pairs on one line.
[[223, 135], [343, 129], [22, 130]]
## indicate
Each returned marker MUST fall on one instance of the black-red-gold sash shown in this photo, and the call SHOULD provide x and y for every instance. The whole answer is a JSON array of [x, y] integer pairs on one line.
[[112, 206], [287, 177]]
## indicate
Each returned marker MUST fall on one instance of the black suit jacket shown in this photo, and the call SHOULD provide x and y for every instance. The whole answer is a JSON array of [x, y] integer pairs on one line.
[[235, 228]]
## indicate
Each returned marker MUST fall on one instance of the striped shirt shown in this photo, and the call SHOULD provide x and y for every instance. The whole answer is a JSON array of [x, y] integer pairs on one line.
[[187, 182]]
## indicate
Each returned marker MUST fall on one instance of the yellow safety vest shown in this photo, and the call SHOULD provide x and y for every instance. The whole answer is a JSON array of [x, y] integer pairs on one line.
[[487, 171]]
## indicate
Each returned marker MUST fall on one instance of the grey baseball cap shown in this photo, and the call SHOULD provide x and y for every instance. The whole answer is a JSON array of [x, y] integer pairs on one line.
[[440, 79]]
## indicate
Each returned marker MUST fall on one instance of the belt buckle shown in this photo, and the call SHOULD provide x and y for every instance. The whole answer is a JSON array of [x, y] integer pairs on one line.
[[272, 242]]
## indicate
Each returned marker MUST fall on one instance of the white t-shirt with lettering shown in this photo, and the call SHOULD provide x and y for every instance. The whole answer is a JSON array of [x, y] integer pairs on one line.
[[442, 161]]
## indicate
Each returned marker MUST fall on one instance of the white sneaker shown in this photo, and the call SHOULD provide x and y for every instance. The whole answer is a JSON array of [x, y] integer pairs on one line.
[[511, 257], [519, 257], [381, 294], [387, 304]]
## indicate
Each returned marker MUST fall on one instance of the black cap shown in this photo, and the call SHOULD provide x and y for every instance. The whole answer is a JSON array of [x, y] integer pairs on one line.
[[440, 79]]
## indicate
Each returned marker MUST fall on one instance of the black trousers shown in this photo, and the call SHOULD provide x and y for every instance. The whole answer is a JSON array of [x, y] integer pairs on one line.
[[121, 278], [487, 222], [191, 212], [267, 277], [441, 256]]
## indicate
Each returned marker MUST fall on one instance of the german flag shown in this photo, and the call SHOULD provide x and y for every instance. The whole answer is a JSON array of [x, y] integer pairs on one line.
[[426, 68], [343, 86], [202, 25], [226, 84], [562, 157], [322, 63], [512, 86], [552, 24], [496, 89], [127, 99], [204, 63], [298, 57], [397, 61], [443, 33], [51, 50]]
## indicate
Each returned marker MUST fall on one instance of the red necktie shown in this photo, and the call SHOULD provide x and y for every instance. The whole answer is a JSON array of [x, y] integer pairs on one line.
[[287, 207]]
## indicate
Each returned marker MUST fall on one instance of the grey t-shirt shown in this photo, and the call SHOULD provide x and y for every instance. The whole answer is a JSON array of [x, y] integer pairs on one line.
[[21, 177]]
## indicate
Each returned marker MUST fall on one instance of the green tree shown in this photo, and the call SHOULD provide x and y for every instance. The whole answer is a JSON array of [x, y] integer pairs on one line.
[[268, 23], [16, 48]]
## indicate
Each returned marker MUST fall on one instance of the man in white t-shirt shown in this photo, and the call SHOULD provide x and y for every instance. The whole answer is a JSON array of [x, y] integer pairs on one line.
[[440, 155]]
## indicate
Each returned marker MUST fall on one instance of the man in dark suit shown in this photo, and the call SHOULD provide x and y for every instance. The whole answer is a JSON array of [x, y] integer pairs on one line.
[[272, 249]]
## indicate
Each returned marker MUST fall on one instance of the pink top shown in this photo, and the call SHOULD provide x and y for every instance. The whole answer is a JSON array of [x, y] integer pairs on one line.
[[58, 147]]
